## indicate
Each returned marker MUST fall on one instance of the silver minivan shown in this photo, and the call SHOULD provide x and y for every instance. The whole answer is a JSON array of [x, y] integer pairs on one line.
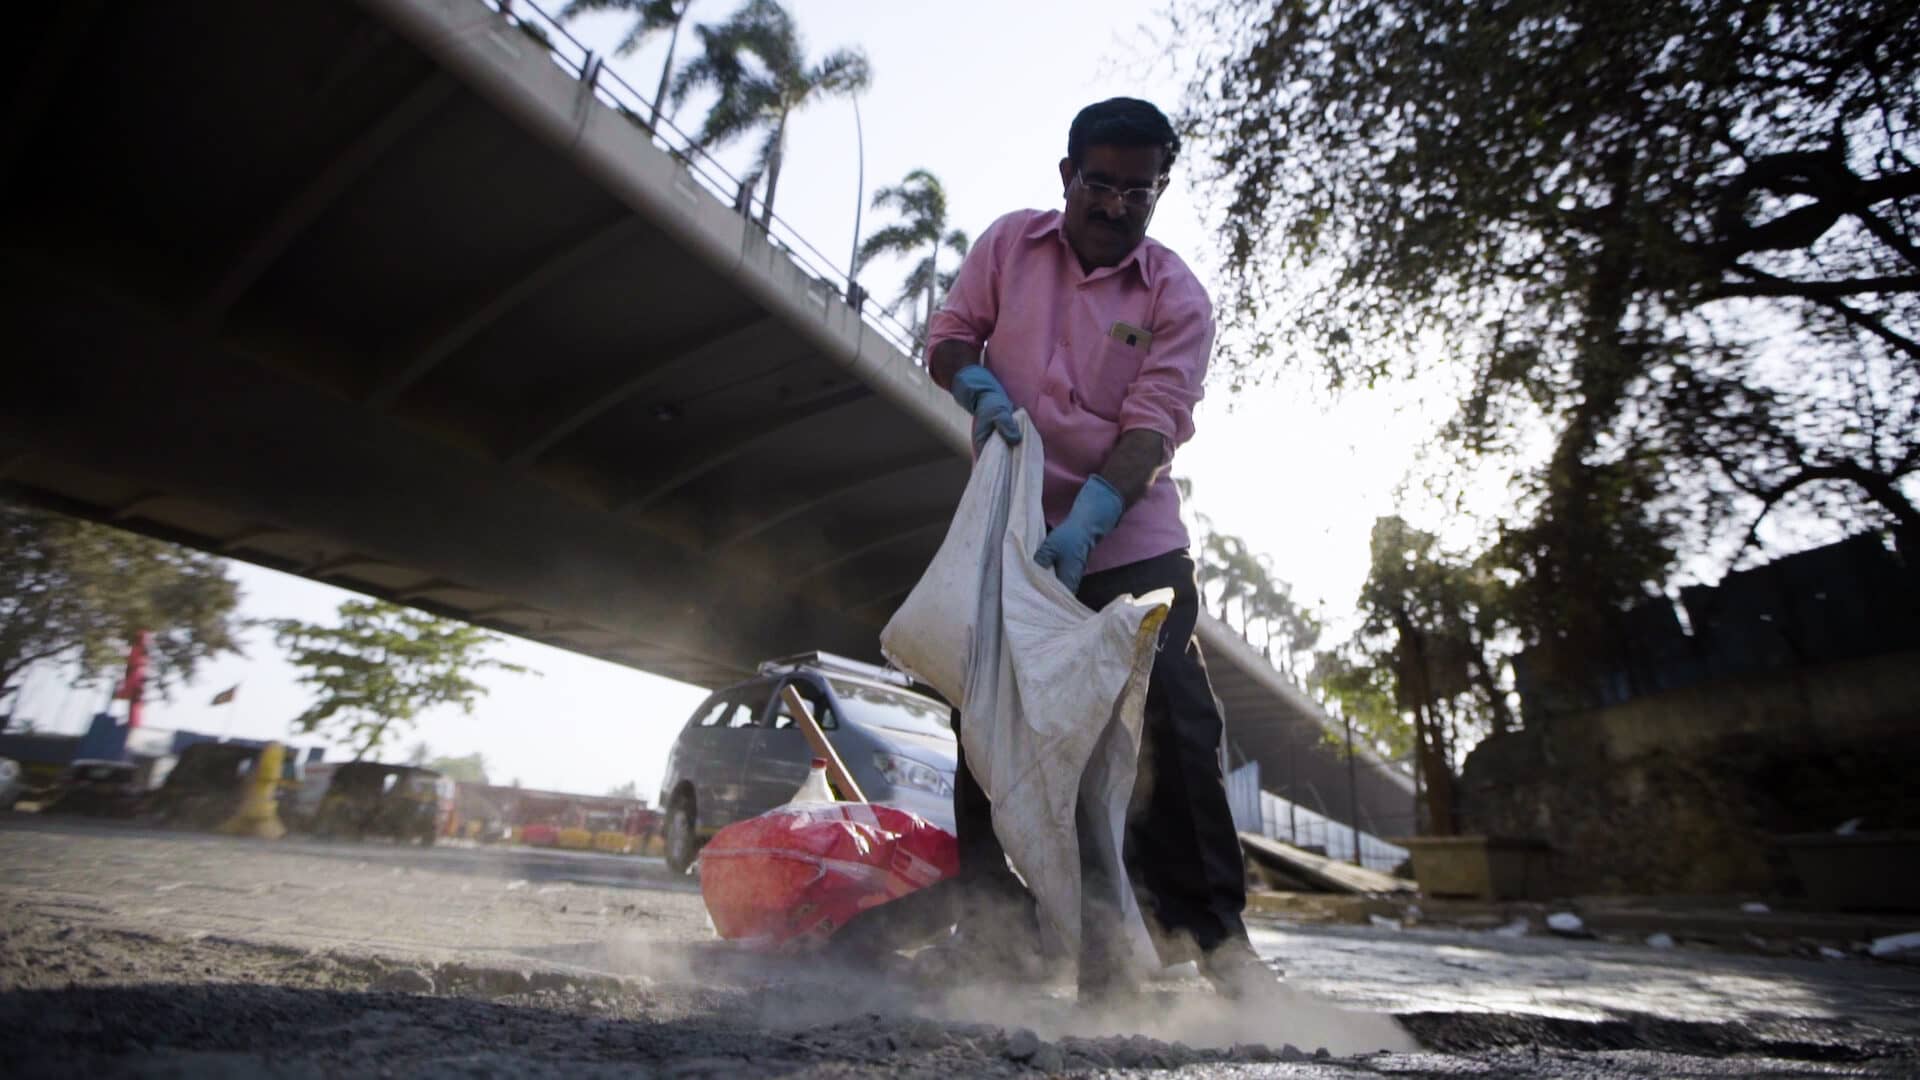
[[741, 753]]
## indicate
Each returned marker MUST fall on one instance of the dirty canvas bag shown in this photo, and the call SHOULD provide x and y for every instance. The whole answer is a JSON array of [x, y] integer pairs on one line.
[[1050, 692]]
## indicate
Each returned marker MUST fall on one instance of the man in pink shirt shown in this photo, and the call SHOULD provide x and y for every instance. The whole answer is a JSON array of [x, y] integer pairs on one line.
[[1102, 336]]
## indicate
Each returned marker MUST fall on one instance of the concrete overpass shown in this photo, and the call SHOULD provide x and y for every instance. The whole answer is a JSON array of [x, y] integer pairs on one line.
[[388, 295]]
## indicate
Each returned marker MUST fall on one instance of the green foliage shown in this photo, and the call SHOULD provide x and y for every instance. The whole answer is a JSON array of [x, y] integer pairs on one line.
[[921, 204], [381, 667], [75, 592], [1357, 690], [755, 64], [1422, 672], [628, 790], [1679, 238], [470, 769]]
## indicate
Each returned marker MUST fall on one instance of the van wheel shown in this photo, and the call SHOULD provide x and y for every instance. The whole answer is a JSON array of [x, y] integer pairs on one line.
[[681, 842]]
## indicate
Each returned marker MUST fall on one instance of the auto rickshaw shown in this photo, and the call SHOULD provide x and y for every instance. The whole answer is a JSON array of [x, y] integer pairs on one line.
[[368, 798], [99, 788], [208, 784]]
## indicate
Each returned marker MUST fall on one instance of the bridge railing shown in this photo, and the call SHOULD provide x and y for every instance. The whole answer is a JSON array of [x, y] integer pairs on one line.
[[616, 93]]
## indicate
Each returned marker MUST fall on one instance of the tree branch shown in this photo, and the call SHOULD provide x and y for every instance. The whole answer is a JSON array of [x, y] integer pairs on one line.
[[1778, 286], [1888, 235], [1882, 489]]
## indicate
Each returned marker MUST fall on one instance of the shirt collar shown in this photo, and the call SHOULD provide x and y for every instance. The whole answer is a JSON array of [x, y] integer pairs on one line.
[[1053, 221]]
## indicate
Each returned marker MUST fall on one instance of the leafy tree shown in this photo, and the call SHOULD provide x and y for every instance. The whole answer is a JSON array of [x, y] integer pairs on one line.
[[381, 667], [1426, 645], [922, 205], [1678, 237], [469, 769], [628, 790], [649, 18], [1352, 687], [756, 64], [75, 592]]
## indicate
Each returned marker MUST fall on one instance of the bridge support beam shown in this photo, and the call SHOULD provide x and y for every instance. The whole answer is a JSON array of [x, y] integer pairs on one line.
[[682, 355], [719, 453], [285, 227], [549, 268]]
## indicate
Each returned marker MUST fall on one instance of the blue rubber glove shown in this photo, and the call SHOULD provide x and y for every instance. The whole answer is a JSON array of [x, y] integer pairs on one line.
[[978, 392], [1096, 510]]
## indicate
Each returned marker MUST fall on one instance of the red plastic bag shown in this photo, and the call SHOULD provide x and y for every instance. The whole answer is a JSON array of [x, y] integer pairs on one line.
[[792, 876]]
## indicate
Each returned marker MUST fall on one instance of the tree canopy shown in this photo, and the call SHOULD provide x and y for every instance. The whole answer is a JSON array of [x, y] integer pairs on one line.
[[381, 667], [75, 592], [468, 768], [1677, 238]]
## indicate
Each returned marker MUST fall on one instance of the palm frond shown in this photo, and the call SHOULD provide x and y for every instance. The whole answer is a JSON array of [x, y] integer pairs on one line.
[[895, 239], [843, 71], [650, 17], [913, 291]]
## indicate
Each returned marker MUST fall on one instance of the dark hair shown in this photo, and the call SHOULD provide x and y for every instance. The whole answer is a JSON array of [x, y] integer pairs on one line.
[[1122, 121]]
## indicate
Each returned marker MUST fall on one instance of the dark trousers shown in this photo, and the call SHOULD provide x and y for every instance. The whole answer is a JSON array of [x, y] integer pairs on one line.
[[1181, 846]]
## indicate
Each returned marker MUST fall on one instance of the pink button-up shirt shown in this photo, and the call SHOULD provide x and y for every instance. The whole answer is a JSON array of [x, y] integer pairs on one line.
[[1089, 356]]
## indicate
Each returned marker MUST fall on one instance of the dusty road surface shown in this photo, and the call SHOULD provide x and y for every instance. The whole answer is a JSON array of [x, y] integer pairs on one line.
[[126, 952]]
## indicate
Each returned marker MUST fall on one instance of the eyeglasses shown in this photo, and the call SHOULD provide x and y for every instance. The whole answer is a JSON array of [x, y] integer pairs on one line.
[[1134, 198]]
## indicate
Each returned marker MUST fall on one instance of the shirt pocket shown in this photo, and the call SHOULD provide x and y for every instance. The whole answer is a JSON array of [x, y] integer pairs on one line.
[[1111, 371]]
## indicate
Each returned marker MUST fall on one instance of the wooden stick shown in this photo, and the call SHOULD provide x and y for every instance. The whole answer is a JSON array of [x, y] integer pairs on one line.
[[817, 738]]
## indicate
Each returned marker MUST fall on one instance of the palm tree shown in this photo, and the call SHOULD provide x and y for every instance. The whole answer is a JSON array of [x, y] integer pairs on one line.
[[763, 95], [649, 18], [1228, 557], [922, 205]]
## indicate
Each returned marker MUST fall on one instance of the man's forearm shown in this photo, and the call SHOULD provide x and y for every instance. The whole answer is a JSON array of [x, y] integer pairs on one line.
[[1135, 463], [948, 357]]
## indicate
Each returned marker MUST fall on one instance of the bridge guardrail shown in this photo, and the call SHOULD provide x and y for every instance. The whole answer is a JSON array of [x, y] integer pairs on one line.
[[616, 93]]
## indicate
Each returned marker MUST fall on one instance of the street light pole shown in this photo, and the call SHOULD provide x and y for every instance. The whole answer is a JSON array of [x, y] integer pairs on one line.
[[859, 203], [1353, 790]]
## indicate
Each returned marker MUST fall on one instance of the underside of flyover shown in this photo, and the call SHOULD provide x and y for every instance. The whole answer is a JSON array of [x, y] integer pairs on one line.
[[282, 284]]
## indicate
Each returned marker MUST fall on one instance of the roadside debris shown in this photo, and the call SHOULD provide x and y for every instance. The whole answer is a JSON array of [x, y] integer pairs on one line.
[[1567, 924], [1896, 945]]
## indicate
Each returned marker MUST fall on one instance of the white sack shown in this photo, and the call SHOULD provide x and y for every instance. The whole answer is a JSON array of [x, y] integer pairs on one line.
[[1050, 693]]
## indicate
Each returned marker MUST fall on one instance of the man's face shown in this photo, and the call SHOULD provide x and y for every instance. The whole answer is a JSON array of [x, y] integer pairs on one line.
[[1102, 228]]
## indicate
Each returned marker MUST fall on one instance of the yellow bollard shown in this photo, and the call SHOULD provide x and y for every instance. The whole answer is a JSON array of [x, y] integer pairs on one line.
[[259, 815]]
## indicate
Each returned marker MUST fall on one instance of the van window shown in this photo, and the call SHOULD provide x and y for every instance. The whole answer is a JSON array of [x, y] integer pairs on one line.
[[710, 713], [816, 702], [740, 714]]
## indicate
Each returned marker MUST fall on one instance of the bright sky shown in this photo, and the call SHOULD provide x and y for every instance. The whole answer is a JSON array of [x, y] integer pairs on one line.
[[980, 94]]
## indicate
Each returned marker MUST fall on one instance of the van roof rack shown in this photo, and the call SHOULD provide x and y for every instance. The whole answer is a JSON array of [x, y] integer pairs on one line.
[[826, 661]]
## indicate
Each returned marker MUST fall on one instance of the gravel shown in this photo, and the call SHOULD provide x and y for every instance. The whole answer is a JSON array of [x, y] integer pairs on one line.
[[137, 954]]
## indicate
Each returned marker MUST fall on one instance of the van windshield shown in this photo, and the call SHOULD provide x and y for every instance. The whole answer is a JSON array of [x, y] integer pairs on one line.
[[875, 706]]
